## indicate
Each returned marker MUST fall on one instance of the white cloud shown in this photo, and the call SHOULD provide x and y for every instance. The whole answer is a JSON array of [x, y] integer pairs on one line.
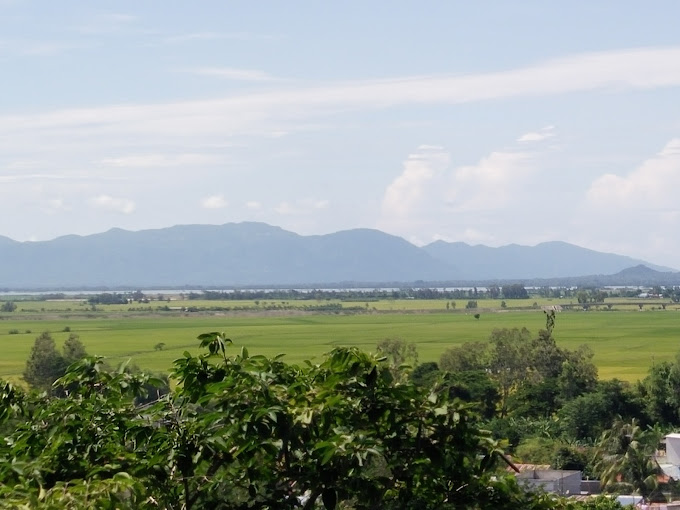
[[25, 164], [317, 204], [280, 110], [121, 205], [475, 236], [117, 17], [430, 201], [162, 160], [492, 183], [214, 202], [30, 177], [408, 190], [55, 205], [253, 205], [652, 186], [216, 36], [107, 23], [230, 73], [635, 213], [32, 48], [537, 136], [301, 207]]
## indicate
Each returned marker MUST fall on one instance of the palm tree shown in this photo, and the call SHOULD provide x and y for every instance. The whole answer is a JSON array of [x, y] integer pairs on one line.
[[626, 454]]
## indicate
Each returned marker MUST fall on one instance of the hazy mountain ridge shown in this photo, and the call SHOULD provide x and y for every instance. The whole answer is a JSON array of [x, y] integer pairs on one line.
[[554, 259], [242, 254]]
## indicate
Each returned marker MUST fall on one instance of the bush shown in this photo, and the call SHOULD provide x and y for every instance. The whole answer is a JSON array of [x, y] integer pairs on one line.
[[536, 450], [13, 331], [8, 306], [574, 458]]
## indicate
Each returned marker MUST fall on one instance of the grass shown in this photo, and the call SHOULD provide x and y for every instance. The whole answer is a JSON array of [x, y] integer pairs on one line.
[[625, 341]]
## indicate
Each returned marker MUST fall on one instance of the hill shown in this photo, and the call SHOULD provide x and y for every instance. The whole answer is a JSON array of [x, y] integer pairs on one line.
[[257, 254], [546, 260]]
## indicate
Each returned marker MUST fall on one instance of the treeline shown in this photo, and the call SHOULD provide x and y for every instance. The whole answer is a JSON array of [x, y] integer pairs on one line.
[[513, 291], [581, 295], [107, 298]]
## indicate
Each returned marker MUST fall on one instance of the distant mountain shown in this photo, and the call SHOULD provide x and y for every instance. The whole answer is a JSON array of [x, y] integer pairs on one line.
[[205, 255], [643, 275], [546, 260], [257, 254]]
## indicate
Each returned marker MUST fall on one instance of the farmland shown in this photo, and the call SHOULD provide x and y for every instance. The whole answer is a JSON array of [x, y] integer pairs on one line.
[[625, 340]]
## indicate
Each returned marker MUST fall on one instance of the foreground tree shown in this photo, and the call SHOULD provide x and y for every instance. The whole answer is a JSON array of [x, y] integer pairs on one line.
[[242, 432]]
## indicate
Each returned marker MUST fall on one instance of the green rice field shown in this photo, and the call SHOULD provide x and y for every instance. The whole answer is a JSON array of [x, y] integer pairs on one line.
[[626, 341]]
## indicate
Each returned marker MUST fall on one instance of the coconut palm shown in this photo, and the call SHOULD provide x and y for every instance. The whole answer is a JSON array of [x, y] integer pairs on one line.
[[626, 455]]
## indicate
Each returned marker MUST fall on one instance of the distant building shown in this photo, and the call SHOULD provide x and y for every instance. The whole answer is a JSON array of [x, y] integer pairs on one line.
[[557, 481]]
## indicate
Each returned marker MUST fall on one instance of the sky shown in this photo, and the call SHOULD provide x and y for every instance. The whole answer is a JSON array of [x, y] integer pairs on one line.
[[487, 122]]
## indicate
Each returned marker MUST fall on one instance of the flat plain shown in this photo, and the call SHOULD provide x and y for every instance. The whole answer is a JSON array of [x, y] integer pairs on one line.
[[625, 340]]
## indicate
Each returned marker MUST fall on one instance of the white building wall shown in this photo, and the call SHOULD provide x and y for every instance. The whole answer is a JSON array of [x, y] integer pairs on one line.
[[673, 449]]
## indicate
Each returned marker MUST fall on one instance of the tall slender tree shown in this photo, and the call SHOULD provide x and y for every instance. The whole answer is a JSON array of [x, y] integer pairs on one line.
[[45, 364]]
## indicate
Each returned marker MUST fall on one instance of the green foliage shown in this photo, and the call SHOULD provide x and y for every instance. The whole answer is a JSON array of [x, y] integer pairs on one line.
[[572, 457], [398, 352], [73, 349], [535, 400], [533, 376], [509, 363], [474, 386], [515, 291], [46, 364], [517, 429], [425, 375], [536, 450], [597, 503], [578, 374], [469, 356], [660, 392], [589, 415], [245, 431], [8, 306], [626, 459]]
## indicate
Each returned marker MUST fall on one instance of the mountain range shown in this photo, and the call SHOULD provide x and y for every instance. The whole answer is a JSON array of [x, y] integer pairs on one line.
[[257, 254]]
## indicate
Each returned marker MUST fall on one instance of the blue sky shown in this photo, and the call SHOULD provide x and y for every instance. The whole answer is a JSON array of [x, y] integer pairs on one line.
[[484, 122]]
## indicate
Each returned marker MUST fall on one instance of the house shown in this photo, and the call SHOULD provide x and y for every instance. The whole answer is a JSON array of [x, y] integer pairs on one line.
[[557, 481]]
